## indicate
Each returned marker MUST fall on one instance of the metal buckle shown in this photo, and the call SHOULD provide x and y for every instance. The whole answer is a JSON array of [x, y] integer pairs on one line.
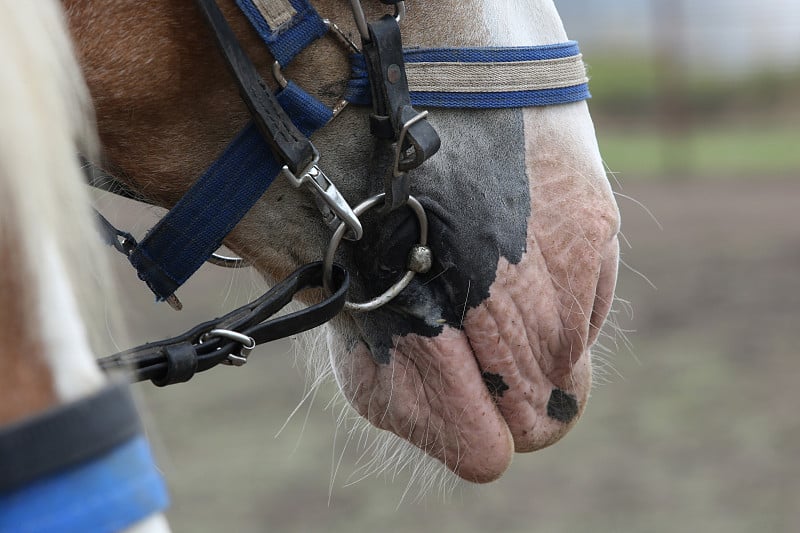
[[398, 151], [420, 258], [342, 39], [233, 359]]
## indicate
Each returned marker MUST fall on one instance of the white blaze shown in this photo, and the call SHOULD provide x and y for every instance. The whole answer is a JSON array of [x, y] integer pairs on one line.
[[523, 22]]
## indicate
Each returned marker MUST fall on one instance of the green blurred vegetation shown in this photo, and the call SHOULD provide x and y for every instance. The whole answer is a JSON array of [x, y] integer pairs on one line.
[[714, 152], [657, 119]]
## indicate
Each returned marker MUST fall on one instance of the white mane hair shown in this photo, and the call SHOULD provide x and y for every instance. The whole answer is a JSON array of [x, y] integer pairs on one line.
[[47, 121]]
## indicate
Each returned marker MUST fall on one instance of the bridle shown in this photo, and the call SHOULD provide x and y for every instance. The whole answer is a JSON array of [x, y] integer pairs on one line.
[[277, 143]]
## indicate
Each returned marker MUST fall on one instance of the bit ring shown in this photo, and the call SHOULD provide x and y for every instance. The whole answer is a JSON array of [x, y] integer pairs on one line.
[[419, 258]]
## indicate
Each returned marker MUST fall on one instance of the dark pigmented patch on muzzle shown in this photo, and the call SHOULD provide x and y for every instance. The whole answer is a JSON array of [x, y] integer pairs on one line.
[[562, 406], [476, 195], [495, 384]]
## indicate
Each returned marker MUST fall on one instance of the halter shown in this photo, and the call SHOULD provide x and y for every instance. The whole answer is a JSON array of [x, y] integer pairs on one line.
[[277, 143]]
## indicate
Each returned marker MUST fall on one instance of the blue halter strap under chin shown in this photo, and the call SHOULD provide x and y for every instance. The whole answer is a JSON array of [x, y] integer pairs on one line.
[[475, 78]]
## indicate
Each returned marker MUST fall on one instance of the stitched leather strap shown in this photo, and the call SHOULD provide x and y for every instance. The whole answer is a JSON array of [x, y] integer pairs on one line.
[[287, 142], [393, 119]]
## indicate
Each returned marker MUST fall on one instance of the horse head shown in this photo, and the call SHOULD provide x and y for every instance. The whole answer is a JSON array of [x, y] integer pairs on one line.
[[487, 353]]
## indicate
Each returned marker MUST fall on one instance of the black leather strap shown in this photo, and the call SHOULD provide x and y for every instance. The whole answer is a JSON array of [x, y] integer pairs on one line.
[[66, 436], [392, 110], [289, 145], [177, 359]]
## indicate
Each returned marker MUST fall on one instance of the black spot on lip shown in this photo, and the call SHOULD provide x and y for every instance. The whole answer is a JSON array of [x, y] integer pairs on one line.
[[562, 406], [494, 382]]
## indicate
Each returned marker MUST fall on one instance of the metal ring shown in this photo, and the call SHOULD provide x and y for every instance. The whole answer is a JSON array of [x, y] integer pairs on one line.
[[277, 73], [399, 12], [403, 282], [227, 261], [361, 19]]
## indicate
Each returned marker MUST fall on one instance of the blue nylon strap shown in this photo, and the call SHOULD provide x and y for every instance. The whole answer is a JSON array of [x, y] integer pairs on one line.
[[308, 113], [489, 54], [108, 494], [192, 230], [358, 91], [195, 227], [501, 100], [290, 38]]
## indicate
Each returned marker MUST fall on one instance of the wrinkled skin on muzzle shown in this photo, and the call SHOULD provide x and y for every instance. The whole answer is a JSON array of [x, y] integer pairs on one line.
[[489, 352]]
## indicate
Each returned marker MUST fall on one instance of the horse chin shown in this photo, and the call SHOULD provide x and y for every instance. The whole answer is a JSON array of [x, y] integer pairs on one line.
[[436, 394], [431, 394]]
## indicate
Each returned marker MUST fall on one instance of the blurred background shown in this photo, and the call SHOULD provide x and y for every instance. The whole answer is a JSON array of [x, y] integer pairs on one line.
[[695, 424]]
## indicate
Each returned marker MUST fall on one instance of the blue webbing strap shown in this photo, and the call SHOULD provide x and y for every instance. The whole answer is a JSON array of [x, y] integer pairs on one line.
[[358, 91], [194, 228], [291, 37], [308, 113], [107, 494], [499, 100]]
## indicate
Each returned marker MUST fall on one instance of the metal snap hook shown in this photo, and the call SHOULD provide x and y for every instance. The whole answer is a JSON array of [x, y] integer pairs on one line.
[[420, 257], [331, 202]]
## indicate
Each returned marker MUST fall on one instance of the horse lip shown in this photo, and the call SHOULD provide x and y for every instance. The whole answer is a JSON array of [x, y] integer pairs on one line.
[[433, 396]]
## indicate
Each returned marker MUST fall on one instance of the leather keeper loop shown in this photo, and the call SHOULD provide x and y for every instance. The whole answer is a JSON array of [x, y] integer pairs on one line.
[[181, 360]]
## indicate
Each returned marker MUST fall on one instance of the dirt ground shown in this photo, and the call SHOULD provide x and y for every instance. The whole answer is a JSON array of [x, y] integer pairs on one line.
[[696, 428]]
